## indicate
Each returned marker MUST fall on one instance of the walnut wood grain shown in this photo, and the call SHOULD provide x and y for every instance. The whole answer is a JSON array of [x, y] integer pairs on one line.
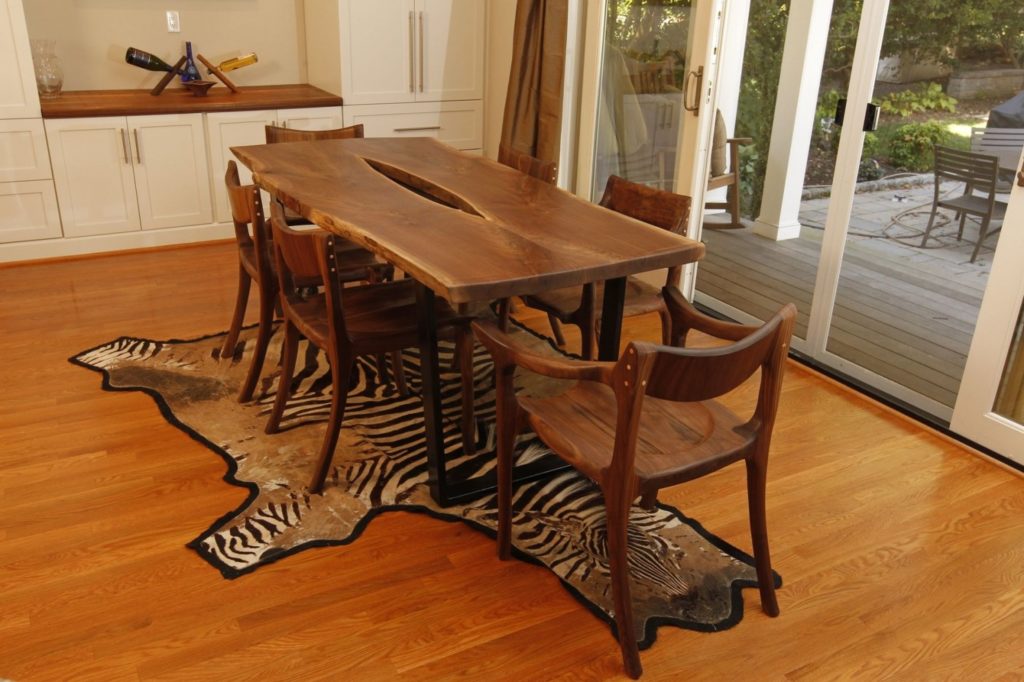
[[83, 103], [512, 235]]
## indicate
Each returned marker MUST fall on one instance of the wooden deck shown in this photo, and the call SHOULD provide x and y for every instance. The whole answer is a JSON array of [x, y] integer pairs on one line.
[[902, 316]]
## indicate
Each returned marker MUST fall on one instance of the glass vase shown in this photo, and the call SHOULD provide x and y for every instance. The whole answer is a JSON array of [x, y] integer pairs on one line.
[[49, 75]]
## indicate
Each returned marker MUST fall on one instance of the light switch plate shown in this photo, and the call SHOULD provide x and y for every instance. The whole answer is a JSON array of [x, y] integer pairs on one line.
[[173, 25]]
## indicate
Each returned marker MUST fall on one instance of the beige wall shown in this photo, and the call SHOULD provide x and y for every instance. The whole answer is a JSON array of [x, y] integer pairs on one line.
[[92, 36], [501, 19]]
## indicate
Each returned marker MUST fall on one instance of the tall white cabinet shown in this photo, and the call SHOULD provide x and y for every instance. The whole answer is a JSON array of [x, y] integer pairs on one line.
[[403, 67], [28, 205]]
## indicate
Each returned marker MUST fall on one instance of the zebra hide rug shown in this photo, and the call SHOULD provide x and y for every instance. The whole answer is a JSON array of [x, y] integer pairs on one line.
[[682, 574]]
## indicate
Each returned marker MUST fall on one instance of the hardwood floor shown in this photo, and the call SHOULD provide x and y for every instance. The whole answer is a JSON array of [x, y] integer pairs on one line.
[[902, 553]]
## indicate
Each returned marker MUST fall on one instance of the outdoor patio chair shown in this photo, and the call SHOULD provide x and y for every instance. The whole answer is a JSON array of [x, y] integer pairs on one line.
[[980, 174], [1004, 143], [726, 173]]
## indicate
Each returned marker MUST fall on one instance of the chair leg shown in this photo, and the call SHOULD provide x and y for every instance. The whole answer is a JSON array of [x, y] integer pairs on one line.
[[284, 383], [617, 511], [960, 231], [982, 233], [732, 197], [931, 223], [341, 370], [238, 316], [507, 426], [259, 353], [556, 329], [757, 475], [649, 500], [588, 336], [464, 355], [398, 372]]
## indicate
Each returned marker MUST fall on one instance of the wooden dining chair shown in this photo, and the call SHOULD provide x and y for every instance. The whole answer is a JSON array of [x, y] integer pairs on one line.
[[581, 305], [648, 421], [278, 134], [346, 322], [256, 263]]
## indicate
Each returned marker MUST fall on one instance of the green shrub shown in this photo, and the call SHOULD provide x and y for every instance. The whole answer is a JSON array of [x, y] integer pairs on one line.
[[911, 146], [928, 97]]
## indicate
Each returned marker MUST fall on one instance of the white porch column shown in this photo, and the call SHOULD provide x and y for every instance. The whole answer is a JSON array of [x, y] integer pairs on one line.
[[802, 60]]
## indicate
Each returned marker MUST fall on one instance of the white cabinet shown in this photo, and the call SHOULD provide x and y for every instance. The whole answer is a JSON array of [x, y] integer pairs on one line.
[[117, 174], [171, 177], [459, 124], [23, 150], [397, 51], [92, 171], [18, 97], [28, 210]]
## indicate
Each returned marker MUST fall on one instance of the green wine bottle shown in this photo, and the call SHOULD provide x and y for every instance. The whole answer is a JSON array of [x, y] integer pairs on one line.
[[145, 60]]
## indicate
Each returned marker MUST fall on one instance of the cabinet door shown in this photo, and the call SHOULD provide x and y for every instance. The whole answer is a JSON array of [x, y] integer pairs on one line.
[[459, 124], [92, 171], [18, 97], [450, 50], [170, 170], [23, 153], [377, 43], [312, 118], [28, 210], [232, 129]]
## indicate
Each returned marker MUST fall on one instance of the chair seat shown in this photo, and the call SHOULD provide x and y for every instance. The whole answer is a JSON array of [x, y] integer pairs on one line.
[[975, 204], [383, 315], [676, 441], [641, 298]]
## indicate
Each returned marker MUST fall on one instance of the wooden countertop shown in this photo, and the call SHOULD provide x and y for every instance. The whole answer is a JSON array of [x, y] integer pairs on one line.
[[81, 103]]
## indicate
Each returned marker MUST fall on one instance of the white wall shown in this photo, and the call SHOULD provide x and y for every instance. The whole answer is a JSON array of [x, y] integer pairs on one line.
[[92, 36], [500, 22]]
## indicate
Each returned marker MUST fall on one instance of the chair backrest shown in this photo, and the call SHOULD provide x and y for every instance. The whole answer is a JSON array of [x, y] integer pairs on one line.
[[279, 134], [246, 211], [241, 204], [1003, 143], [295, 254], [979, 171], [653, 206], [546, 171]]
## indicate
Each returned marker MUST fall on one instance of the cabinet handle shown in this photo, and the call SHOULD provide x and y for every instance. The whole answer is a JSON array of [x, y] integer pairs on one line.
[[124, 145], [421, 51], [138, 147], [412, 52], [416, 129]]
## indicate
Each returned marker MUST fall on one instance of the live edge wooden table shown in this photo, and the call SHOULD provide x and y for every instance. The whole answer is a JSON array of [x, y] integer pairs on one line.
[[467, 229]]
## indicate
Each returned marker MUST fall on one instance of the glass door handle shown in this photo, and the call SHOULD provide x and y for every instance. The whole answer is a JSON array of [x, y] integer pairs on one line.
[[699, 75]]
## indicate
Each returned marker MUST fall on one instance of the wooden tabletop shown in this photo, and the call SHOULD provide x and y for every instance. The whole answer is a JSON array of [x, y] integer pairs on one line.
[[175, 100], [465, 226]]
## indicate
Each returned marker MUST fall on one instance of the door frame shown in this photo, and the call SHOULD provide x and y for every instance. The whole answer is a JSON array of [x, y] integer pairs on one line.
[[1001, 308]]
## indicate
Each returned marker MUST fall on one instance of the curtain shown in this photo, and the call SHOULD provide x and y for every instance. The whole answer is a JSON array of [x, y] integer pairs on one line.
[[533, 105], [1010, 398]]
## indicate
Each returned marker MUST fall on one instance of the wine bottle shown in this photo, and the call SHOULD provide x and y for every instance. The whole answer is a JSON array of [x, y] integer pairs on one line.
[[145, 60], [238, 62], [189, 72]]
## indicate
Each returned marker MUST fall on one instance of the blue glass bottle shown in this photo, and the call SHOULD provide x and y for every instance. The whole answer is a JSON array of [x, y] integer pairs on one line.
[[189, 72]]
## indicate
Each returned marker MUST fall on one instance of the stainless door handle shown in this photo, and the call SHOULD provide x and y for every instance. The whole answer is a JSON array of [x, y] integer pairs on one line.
[[410, 130], [138, 147], [412, 51], [421, 51], [124, 145]]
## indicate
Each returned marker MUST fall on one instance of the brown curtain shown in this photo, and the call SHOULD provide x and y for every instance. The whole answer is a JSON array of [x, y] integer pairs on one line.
[[1010, 398], [533, 105]]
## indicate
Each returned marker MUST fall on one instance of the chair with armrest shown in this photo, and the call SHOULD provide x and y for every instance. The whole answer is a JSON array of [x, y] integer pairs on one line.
[[581, 305], [346, 322], [980, 174], [725, 172], [648, 421]]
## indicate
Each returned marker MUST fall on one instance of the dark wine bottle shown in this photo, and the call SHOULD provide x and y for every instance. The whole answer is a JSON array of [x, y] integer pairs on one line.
[[145, 60], [189, 72]]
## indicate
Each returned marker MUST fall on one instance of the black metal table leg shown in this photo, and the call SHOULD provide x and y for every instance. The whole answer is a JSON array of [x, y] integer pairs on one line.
[[611, 318], [431, 391]]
